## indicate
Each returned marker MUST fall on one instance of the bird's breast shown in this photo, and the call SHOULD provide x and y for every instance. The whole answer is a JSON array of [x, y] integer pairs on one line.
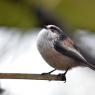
[[56, 59]]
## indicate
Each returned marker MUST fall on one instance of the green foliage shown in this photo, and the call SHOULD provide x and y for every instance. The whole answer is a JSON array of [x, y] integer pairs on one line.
[[15, 15], [79, 13]]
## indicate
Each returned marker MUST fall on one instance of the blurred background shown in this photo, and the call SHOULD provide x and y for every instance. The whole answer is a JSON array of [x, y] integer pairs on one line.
[[20, 22]]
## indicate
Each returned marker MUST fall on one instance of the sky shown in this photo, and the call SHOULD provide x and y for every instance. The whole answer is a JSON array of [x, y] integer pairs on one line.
[[19, 54]]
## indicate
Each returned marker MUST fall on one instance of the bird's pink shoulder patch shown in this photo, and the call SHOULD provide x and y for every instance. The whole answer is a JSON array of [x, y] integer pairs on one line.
[[68, 42]]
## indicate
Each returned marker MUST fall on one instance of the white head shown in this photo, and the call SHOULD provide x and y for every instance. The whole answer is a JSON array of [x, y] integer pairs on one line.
[[47, 36], [51, 33]]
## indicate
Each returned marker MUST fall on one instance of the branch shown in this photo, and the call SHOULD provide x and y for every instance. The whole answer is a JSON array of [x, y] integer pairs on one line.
[[30, 76]]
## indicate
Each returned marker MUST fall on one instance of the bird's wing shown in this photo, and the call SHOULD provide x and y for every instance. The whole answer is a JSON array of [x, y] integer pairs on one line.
[[68, 48]]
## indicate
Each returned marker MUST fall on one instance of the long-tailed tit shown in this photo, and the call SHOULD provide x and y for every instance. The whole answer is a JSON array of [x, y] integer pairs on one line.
[[59, 50]]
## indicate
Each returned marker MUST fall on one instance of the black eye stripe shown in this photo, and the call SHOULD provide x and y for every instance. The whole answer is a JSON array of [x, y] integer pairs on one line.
[[55, 29], [59, 31]]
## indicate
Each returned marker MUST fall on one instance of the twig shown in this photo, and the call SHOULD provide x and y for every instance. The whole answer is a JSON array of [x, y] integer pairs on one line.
[[30, 76]]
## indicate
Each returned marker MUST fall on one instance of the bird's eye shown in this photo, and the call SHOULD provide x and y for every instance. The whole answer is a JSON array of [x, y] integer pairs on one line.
[[53, 30]]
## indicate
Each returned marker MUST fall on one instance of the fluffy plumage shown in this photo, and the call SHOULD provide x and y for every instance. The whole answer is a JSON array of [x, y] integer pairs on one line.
[[59, 50]]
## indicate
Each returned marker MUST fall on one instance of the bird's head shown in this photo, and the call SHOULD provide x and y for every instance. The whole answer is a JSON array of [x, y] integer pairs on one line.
[[53, 32]]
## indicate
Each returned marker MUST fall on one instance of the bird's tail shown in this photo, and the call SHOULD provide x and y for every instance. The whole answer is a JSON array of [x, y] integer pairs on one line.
[[90, 65]]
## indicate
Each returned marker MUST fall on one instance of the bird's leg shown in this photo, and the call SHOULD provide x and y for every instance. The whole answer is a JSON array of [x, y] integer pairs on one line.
[[48, 72], [63, 76]]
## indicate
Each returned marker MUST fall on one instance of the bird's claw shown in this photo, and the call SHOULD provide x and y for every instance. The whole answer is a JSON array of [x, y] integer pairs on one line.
[[45, 74], [48, 72], [63, 77]]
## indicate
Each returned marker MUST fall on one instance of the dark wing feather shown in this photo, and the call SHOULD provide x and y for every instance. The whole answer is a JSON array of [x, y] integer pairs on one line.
[[72, 52]]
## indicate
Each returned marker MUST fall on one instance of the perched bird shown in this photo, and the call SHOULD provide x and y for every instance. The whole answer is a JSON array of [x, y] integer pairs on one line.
[[59, 50]]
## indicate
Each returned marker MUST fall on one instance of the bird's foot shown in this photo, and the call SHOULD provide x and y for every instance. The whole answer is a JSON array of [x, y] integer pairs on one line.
[[45, 74], [48, 72], [62, 76]]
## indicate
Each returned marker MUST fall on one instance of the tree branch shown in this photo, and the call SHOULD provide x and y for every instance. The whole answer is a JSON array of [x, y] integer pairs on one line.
[[30, 76]]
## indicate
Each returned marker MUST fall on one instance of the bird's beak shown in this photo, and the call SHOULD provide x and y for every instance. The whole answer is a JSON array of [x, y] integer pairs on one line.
[[45, 27]]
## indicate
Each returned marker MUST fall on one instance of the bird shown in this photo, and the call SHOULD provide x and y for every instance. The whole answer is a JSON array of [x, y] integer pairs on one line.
[[59, 50]]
